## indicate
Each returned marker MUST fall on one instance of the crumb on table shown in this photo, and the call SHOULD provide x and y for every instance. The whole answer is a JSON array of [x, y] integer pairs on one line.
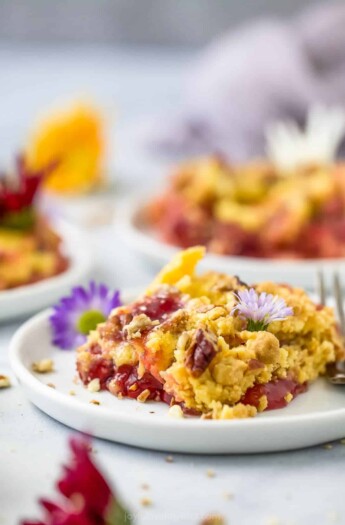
[[44, 366], [146, 502], [4, 381]]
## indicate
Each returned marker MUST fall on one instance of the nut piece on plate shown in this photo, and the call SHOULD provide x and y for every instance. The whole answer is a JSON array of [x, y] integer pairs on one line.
[[44, 366], [94, 385], [4, 381]]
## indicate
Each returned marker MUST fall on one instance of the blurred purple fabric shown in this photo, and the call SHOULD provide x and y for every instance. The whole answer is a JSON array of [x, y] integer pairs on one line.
[[265, 71]]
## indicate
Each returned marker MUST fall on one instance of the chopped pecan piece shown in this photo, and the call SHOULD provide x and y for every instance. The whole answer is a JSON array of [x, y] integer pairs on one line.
[[112, 330], [200, 352]]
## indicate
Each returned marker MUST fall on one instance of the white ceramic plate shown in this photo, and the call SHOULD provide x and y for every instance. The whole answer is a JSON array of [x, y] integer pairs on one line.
[[27, 299], [143, 240], [313, 418]]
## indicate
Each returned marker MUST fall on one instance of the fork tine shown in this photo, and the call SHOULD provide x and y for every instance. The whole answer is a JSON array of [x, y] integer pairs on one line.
[[338, 294], [321, 287]]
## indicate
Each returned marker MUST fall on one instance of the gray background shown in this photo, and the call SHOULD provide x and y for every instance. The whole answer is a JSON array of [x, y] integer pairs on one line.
[[149, 22]]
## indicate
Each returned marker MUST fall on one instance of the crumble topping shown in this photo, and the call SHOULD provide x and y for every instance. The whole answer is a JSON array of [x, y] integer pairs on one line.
[[187, 343]]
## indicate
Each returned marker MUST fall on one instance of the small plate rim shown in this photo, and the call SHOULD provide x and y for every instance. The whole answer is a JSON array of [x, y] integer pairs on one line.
[[32, 297], [270, 422]]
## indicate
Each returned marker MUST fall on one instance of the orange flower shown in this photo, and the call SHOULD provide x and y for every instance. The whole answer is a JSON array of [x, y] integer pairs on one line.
[[73, 138]]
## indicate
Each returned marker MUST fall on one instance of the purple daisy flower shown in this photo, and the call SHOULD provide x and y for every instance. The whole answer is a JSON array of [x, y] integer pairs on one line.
[[75, 316], [260, 310]]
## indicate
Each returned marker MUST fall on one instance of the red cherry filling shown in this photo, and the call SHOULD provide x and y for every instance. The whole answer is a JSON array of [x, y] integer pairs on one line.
[[158, 307], [101, 369], [126, 382], [275, 391]]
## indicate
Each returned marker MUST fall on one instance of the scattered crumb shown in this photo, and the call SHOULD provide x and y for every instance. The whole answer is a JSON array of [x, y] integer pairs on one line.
[[342, 441], [288, 397], [145, 486], [214, 519], [4, 381], [229, 495], [44, 366], [152, 412], [175, 412], [146, 502], [94, 385], [210, 473], [328, 446], [71, 393], [95, 402], [51, 385], [333, 517], [273, 521], [143, 396], [169, 459]]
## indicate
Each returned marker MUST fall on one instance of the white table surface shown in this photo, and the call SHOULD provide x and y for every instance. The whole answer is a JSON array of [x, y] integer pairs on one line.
[[302, 488]]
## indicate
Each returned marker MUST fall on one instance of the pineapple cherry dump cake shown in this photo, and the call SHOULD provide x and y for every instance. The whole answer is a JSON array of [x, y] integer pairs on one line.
[[30, 250], [211, 344], [253, 210]]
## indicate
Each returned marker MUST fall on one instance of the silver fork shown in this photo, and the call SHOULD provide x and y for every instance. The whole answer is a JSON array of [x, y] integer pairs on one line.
[[335, 372]]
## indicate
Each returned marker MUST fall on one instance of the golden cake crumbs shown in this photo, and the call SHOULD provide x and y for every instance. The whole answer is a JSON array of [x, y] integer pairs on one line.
[[175, 412], [214, 519], [210, 473], [94, 385], [44, 366], [169, 459], [51, 385], [146, 502], [71, 393], [95, 402], [202, 355], [4, 381]]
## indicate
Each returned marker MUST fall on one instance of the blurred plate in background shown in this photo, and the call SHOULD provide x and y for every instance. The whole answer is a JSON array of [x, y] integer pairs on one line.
[[24, 300], [143, 241]]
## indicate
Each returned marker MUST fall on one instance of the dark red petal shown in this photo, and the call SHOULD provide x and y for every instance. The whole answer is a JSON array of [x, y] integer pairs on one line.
[[84, 478]]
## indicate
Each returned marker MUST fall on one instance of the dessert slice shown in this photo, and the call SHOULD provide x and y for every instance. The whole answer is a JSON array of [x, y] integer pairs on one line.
[[212, 344]]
